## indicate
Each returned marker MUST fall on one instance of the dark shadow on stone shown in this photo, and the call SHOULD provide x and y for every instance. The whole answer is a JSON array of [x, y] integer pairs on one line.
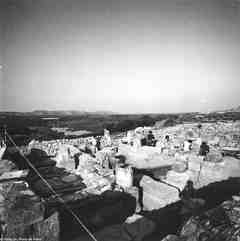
[[170, 221], [96, 212]]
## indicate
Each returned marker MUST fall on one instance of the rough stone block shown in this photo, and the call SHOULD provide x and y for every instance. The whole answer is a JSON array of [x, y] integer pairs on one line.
[[156, 194]]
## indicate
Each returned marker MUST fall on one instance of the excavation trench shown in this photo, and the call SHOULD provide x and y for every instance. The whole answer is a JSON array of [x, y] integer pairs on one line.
[[115, 207]]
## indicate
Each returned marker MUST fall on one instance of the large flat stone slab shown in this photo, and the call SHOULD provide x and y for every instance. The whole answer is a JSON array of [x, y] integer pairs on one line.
[[156, 194], [145, 157]]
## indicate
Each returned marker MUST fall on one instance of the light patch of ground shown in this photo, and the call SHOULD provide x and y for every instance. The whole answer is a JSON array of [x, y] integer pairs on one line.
[[68, 132]]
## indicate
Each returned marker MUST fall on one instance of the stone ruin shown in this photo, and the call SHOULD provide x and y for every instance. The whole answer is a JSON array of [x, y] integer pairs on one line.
[[160, 173]]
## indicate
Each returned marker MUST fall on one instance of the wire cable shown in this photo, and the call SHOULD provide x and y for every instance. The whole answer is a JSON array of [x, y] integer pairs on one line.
[[53, 191]]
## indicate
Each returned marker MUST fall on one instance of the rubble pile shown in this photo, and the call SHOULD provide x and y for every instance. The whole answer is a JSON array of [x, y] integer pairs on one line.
[[52, 147], [94, 176], [87, 178], [106, 157], [20, 207], [22, 214], [6, 166], [221, 223]]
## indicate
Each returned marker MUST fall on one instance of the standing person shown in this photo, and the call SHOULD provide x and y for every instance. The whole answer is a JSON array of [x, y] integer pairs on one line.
[[167, 138], [199, 129], [69, 152], [167, 142], [204, 149], [94, 144], [98, 143], [107, 137], [190, 204], [188, 192], [76, 159], [139, 136], [151, 141]]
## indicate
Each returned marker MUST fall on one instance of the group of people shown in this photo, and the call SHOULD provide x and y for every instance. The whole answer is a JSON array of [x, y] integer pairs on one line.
[[149, 140], [140, 138]]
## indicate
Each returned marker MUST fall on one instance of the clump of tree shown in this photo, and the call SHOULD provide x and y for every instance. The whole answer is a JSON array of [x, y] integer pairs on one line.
[[129, 124]]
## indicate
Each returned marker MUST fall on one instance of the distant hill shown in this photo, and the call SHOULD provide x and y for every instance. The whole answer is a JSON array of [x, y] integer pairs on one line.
[[71, 112], [57, 112], [51, 113], [237, 109]]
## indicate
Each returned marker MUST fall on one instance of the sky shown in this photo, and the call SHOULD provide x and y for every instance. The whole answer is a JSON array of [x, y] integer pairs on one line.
[[126, 56]]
